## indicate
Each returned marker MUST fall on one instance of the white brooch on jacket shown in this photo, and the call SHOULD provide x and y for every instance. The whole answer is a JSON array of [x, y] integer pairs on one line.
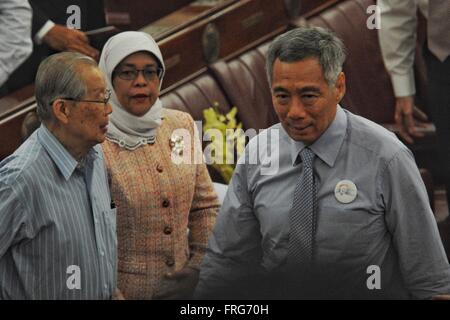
[[177, 144]]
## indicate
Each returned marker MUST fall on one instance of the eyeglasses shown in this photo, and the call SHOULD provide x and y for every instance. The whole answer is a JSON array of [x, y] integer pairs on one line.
[[149, 74], [104, 101]]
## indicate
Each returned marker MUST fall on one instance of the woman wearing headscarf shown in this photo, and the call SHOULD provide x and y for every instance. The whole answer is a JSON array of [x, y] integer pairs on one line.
[[165, 210]]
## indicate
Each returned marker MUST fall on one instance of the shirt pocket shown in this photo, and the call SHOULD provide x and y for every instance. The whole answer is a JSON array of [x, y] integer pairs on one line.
[[110, 216], [348, 234]]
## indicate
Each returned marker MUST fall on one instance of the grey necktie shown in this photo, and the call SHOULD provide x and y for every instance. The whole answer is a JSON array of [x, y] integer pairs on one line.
[[302, 215], [439, 28]]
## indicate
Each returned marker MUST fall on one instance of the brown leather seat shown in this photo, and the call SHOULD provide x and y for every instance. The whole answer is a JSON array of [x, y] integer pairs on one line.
[[245, 83], [196, 96]]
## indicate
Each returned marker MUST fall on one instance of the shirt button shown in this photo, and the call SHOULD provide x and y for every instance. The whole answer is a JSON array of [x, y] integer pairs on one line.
[[159, 168], [102, 253], [167, 230], [96, 220], [170, 262], [106, 286], [166, 203]]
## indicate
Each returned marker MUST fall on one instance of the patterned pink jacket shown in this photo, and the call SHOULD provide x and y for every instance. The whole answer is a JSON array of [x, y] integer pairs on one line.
[[165, 211]]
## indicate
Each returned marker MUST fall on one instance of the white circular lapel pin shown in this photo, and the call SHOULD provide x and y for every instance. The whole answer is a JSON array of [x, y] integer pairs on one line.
[[345, 191]]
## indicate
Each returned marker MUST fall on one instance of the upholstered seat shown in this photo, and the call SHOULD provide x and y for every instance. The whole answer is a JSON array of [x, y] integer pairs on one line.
[[245, 82], [195, 96]]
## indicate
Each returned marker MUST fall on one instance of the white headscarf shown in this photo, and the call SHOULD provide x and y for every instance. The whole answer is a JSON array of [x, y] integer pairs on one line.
[[126, 129]]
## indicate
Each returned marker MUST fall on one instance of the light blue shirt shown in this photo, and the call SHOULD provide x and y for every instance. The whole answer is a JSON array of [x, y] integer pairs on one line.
[[389, 224], [57, 228]]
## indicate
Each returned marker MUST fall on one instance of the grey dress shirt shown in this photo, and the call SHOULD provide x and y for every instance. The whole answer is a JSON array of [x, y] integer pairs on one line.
[[57, 227], [389, 225]]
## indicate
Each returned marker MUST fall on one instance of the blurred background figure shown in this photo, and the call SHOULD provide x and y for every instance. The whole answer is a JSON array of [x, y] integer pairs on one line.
[[51, 34], [15, 26], [397, 40]]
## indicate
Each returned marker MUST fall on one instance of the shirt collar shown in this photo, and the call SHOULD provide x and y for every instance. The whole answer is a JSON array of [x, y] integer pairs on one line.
[[329, 143], [59, 154]]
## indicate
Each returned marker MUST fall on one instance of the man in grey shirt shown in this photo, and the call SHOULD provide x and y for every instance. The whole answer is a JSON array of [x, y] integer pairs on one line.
[[359, 227]]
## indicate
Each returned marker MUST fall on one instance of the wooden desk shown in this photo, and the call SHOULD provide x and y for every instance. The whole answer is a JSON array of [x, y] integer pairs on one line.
[[190, 50], [132, 15], [184, 17]]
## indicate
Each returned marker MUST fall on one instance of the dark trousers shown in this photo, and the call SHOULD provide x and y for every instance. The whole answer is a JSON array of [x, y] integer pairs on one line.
[[439, 106]]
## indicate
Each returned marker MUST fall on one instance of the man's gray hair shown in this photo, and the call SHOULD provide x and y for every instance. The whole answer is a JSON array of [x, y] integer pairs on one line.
[[57, 77], [308, 42]]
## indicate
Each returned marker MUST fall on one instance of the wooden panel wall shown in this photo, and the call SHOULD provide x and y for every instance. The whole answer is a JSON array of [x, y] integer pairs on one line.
[[139, 13], [190, 50]]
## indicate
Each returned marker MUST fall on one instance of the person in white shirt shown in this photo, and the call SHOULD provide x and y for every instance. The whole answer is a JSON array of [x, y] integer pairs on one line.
[[52, 32], [15, 35], [397, 38]]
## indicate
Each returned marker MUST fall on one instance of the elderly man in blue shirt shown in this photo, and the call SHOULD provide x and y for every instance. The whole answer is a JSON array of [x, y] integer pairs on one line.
[[57, 220], [345, 215]]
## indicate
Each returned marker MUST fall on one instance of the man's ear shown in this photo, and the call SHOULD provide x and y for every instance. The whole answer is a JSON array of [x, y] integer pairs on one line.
[[61, 110], [340, 87]]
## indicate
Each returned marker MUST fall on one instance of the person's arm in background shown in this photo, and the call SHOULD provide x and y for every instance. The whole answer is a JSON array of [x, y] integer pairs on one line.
[[397, 37], [59, 37], [15, 35]]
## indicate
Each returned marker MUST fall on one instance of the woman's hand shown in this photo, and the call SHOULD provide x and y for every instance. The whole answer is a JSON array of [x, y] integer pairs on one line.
[[178, 285]]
